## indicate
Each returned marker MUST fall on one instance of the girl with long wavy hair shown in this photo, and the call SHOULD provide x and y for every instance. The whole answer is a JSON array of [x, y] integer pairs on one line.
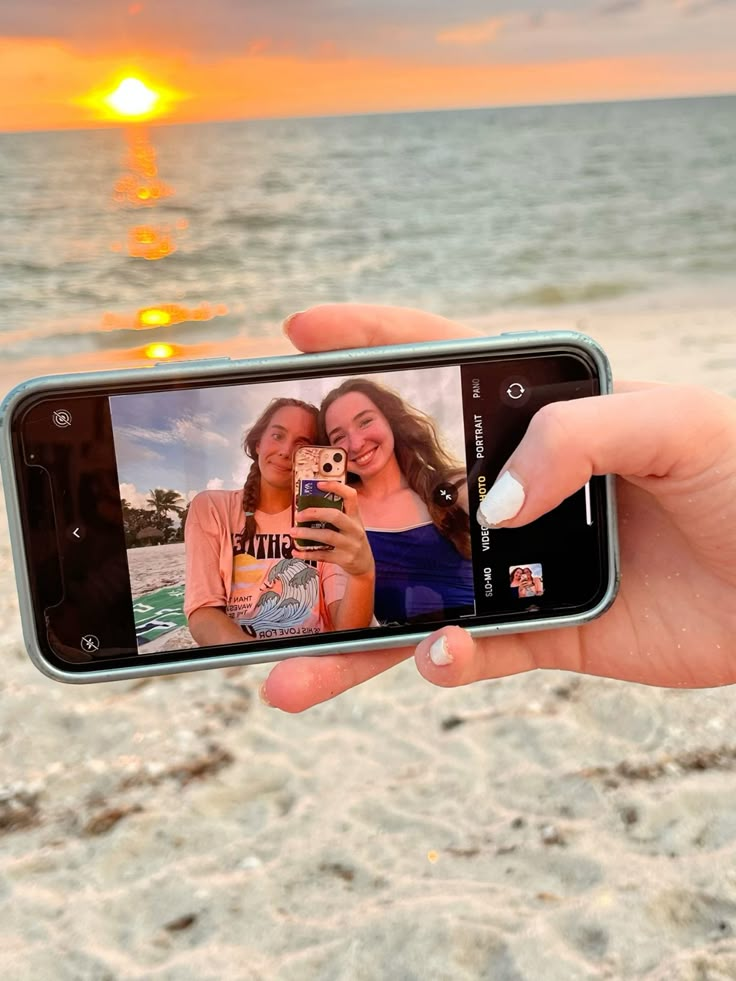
[[420, 543], [245, 576]]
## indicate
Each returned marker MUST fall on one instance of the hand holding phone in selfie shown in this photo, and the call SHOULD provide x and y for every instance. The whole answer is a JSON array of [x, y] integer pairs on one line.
[[674, 449], [343, 538]]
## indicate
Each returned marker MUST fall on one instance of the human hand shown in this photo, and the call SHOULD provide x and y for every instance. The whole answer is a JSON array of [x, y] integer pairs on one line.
[[350, 547], [674, 622]]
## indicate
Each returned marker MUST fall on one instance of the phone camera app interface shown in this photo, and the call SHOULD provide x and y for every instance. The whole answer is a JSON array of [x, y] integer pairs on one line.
[[210, 482]]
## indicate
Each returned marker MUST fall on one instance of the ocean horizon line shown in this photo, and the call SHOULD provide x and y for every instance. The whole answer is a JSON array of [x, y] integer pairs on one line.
[[367, 114]]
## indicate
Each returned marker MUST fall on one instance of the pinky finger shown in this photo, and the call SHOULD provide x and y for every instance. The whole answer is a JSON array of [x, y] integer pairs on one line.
[[314, 555]]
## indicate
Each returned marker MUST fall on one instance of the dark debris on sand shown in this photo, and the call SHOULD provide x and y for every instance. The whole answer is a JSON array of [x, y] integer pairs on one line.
[[667, 765], [105, 819], [19, 807], [181, 923], [208, 763]]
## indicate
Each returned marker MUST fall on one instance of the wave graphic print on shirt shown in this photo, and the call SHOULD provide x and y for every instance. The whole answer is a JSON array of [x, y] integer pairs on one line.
[[292, 593], [272, 593]]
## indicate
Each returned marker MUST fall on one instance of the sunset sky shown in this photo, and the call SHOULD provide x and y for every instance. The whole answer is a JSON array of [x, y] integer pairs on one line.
[[230, 59]]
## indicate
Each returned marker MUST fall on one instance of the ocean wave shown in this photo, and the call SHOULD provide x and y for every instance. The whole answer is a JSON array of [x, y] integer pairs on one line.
[[27, 267], [718, 263], [176, 206], [256, 220], [79, 335], [550, 295]]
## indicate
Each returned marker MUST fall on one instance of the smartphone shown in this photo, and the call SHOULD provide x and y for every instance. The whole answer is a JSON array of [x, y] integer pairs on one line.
[[133, 506], [313, 464]]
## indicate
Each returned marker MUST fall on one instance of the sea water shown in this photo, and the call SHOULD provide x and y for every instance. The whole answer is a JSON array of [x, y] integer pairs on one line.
[[461, 212]]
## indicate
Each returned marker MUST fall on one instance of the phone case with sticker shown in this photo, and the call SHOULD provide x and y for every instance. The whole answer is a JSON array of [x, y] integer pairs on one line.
[[313, 464]]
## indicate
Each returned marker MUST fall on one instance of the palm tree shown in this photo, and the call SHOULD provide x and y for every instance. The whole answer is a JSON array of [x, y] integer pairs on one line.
[[164, 501]]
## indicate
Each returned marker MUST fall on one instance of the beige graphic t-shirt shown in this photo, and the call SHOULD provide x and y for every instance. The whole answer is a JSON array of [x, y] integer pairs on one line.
[[257, 582]]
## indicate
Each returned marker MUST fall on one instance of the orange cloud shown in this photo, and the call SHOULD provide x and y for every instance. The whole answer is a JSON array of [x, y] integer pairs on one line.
[[471, 34], [260, 46]]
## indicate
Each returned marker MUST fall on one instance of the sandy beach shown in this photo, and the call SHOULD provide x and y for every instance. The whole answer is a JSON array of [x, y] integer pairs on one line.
[[545, 827], [154, 568]]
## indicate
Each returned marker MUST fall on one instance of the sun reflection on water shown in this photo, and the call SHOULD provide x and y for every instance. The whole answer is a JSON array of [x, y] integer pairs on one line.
[[140, 186]]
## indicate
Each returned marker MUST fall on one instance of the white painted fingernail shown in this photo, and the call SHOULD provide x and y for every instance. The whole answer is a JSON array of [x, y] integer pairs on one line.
[[502, 502], [439, 652]]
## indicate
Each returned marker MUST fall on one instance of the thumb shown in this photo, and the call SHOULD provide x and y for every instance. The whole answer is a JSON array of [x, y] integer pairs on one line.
[[656, 437]]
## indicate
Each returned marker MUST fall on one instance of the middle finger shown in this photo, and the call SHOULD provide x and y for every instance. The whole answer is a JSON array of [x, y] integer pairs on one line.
[[322, 535]]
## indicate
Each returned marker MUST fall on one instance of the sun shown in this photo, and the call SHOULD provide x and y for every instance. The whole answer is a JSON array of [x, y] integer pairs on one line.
[[130, 98], [133, 99]]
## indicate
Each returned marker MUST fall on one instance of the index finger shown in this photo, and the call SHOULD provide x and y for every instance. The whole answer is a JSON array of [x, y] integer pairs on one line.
[[332, 326], [301, 682], [336, 487], [348, 494]]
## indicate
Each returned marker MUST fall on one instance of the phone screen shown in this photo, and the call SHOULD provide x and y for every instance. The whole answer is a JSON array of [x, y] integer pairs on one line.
[[140, 507]]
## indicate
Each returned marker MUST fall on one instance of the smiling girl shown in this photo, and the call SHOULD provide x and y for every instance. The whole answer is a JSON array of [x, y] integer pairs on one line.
[[245, 578], [421, 547]]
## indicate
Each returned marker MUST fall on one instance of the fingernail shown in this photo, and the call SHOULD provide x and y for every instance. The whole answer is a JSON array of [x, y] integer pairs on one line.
[[263, 696], [286, 325], [439, 652], [502, 502]]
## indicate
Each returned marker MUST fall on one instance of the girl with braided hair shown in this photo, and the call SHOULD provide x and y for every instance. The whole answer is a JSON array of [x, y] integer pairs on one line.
[[420, 537], [245, 576]]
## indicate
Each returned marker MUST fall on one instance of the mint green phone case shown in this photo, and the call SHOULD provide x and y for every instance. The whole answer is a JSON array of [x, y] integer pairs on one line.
[[208, 371]]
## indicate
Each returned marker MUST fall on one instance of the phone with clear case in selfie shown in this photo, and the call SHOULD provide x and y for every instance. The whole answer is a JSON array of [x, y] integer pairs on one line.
[[312, 465]]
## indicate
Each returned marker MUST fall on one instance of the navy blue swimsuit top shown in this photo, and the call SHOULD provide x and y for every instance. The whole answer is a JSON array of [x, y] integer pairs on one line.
[[419, 573]]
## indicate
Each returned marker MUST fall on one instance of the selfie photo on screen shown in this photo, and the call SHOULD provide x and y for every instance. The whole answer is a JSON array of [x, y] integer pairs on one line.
[[206, 492], [526, 580]]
